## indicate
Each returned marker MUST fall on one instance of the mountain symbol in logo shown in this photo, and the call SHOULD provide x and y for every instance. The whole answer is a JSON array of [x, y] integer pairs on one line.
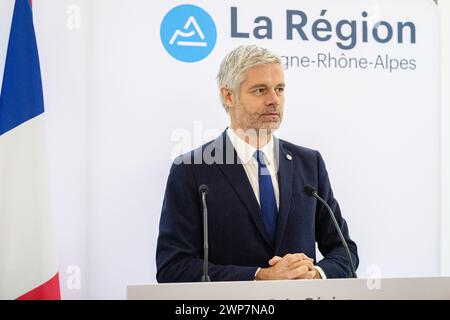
[[179, 33]]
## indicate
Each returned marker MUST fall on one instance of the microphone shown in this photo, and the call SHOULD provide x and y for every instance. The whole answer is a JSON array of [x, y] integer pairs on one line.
[[203, 190], [310, 190]]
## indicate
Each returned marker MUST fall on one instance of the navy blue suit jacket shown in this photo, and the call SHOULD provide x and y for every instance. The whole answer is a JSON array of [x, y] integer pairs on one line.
[[238, 241]]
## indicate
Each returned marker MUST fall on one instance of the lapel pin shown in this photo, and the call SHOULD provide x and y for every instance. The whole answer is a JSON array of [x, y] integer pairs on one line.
[[289, 157]]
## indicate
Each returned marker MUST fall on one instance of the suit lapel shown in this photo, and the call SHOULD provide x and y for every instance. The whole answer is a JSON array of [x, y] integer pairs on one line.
[[285, 181], [235, 174]]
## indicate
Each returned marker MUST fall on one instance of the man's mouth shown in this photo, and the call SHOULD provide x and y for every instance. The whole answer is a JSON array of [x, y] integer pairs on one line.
[[270, 114]]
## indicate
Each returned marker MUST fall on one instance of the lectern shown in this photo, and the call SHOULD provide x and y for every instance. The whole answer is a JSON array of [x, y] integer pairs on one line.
[[339, 289]]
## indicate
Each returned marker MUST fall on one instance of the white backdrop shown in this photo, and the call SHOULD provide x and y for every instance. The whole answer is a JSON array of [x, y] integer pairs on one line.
[[115, 98], [444, 6]]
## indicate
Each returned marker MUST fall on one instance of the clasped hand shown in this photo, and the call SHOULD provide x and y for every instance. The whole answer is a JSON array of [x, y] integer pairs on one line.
[[290, 267]]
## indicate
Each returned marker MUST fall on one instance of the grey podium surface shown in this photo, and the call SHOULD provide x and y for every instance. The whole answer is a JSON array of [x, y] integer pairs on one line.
[[339, 289]]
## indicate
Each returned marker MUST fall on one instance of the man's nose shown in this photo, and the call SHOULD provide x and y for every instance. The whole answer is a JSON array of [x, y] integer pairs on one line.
[[272, 98]]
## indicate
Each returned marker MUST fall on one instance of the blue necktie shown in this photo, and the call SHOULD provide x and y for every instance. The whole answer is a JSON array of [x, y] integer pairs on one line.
[[266, 196]]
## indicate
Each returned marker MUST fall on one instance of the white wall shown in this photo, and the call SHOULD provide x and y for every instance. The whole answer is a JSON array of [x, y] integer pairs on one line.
[[6, 9], [64, 55], [444, 6], [377, 131]]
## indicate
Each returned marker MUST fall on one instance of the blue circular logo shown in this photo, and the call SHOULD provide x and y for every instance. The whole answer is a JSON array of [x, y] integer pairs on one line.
[[188, 33]]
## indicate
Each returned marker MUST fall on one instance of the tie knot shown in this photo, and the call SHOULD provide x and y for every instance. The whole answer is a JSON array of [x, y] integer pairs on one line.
[[260, 157]]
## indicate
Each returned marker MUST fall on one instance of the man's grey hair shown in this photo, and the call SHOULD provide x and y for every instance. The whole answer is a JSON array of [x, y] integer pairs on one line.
[[237, 62]]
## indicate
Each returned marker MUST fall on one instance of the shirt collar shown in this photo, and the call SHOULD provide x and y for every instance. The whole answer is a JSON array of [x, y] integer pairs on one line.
[[246, 151]]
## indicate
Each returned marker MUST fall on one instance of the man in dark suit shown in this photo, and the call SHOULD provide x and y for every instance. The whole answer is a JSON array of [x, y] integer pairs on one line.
[[262, 226]]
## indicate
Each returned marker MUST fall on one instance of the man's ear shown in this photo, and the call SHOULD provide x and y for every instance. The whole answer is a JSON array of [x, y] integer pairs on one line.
[[227, 96]]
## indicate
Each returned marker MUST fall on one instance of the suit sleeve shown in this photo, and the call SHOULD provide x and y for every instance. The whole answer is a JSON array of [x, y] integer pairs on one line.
[[335, 263], [179, 252]]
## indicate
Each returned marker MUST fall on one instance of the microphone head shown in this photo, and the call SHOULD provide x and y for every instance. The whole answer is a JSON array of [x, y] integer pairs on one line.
[[203, 188], [310, 190]]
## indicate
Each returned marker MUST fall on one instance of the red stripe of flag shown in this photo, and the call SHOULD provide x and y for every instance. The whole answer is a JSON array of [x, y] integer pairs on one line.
[[47, 291]]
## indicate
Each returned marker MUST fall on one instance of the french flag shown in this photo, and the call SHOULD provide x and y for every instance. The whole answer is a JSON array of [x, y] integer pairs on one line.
[[28, 265]]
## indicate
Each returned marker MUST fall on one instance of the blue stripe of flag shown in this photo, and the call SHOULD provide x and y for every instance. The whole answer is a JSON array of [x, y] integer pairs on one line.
[[21, 97]]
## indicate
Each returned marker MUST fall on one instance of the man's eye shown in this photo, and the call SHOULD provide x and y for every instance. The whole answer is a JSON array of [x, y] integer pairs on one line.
[[280, 90], [259, 91]]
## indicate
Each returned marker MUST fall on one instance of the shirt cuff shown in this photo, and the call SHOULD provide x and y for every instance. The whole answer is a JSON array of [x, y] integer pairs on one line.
[[257, 270], [322, 274]]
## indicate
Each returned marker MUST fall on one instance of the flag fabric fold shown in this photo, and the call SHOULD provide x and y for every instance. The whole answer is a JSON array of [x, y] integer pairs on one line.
[[28, 266]]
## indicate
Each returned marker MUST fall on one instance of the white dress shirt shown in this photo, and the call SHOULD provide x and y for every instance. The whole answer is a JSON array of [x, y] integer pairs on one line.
[[246, 152]]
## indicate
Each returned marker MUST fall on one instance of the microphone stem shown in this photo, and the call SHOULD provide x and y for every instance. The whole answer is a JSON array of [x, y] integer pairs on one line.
[[347, 251], [205, 277]]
